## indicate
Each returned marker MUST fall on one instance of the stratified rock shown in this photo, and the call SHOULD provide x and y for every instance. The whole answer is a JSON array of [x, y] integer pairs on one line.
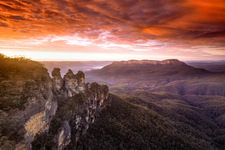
[[40, 109], [70, 83], [74, 84], [57, 80], [81, 81], [96, 99], [64, 136]]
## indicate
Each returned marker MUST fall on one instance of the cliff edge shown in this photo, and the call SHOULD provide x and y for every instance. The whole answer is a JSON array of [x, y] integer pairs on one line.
[[33, 105]]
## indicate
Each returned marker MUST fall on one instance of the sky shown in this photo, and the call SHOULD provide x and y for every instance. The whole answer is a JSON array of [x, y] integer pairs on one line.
[[113, 29]]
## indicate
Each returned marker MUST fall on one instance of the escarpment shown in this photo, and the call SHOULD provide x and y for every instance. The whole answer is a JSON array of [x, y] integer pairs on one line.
[[26, 102], [78, 106], [33, 105]]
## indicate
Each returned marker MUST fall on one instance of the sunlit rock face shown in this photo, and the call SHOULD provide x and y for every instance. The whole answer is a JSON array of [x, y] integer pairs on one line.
[[33, 102], [34, 125], [73, 84], [39, 122], [64, 136], [70, 85], [40, 109]]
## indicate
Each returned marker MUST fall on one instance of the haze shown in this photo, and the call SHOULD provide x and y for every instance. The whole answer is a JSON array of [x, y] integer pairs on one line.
[[113, 30]]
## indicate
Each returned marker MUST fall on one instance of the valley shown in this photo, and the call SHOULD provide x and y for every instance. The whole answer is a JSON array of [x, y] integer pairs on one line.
[[190, 101], [143, 105]]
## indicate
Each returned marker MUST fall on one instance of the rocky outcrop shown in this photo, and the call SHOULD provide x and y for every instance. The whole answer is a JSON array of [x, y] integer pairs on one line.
[[39, 111], [30, 99], [30, 103], [70, 85], [96, 98], [38, 102], [57, 80], [79, 105], [95, 102]]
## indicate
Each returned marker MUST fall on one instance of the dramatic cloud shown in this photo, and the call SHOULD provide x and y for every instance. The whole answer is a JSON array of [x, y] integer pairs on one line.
[[146, 26]]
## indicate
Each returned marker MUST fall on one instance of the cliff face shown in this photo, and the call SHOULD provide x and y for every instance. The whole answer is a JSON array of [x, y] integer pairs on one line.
[[35, 101], [29, 99], [57, 80], [79, 106], [40, 109], [45, 99], [76, 121]]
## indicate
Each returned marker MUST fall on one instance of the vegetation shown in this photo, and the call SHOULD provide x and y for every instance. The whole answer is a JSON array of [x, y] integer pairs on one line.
[[43, 140], [129, 124], [95, 88], [11, 130], [10, 67], [20, 79], [66, 109], [6, 144]]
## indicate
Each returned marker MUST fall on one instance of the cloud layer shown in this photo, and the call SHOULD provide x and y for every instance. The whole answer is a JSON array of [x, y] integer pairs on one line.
[[184, 23]]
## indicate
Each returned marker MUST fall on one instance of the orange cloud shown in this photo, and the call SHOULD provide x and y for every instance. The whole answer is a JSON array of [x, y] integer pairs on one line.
[[181, 22]]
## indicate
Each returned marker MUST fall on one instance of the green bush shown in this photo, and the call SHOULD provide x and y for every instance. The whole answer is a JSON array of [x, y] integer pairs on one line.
[[10, 67], [11, 130]]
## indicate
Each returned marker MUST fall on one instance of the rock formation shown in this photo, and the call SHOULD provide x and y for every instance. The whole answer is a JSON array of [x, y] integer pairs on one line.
[[73, 84], [94, 98], [57, 80], [30, 99], [44, 97]]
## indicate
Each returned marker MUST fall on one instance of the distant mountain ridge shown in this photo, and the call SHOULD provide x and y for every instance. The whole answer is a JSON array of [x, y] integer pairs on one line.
[[145, 66], [153, 62], [213, 66], [169, 75]]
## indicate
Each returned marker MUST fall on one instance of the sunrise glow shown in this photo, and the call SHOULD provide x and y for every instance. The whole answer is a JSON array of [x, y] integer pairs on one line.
[[113, 30], [60, 56]]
